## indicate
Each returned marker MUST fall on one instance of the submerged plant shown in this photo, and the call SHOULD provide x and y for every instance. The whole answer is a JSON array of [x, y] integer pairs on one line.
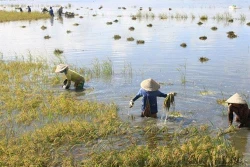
[[76, 24], [221, 102], [68, 31], [203, 38], [183, 45], [131, 28], [163, 16], [149, 25], [43, 27], [58, 51], [214, 28], [47, 37], [203, 59], [140, 41], [130, 39], [199, 23], [116, 37], [109, 23], [248, 23], [203, 17], [231, 34]]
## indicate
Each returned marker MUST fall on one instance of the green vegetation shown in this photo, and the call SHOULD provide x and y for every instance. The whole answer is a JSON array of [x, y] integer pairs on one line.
[[109, 23], [149, 25], [17, 16], [131, 28], [183, 45], [58, 51], [203, 17], [47, 37], [41, 126], [130, 39], [203, 38], [140, 41], [43, 27], [231, 34], [214, 28], [163, 16], [68, 31], [116, 37], [203, 59]]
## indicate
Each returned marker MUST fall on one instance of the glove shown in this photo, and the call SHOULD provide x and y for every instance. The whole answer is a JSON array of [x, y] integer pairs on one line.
[[131, 103]]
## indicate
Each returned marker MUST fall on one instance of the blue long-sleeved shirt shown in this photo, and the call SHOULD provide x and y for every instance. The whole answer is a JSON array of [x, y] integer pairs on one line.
[[151, 96]]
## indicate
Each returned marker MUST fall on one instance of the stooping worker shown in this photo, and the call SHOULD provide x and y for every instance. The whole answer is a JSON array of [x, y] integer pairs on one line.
[[71, 76], [149, 92], [60, 11], [238, 106]]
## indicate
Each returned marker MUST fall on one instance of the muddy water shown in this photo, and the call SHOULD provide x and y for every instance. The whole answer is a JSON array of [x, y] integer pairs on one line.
[[161, 57]]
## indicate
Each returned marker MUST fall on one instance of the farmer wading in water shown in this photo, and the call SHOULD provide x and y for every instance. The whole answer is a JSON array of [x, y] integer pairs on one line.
[[71, 76], [238, 106], [149, 92]]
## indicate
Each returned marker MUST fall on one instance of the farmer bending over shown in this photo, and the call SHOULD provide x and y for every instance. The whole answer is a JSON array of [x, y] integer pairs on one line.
[[149, 92], [71, 76], [238, 106]]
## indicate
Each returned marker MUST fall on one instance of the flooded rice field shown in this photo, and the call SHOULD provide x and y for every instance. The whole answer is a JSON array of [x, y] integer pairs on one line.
[[209, 66]]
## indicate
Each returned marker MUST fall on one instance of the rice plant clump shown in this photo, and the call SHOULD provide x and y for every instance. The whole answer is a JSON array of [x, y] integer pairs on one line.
[[203, 59], [58, 51], [47, 37], [76, 24], [140, 41], [230, 20], [214, 28], [116, 21], [231, 34], [17, 16], [149, 25], [109, 23], [130, 39], [43, 27], [68, 31], [117, 37], [131, 28], [203, 38], [248, 23], [203, 17], [199, 23], [23, 26], [163, 16], [183, 45]]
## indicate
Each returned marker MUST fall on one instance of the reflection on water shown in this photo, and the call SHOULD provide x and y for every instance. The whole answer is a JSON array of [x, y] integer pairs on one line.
[[161, 57]]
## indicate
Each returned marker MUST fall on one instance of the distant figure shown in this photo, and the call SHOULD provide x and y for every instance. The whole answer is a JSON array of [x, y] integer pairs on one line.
[[44, 10], [51, 12], [21, 10], [238, 106], [60, 11], [71, 76], [149, 92], [29, 9]]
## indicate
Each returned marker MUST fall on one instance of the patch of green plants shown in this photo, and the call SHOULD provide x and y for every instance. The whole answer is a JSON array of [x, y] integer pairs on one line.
[[214, 28], [58, 51], [43, 27], [231, 34], [18, 16], [75, 24], [131, 28], [203, 17], [109, 23], [68, 31], [149, 25], [117, 37], [199, 23], [47, 37], [203, 38], [130, 39], [203, 59], [163, 16], [140, 41], [183, 45], [23, 26]]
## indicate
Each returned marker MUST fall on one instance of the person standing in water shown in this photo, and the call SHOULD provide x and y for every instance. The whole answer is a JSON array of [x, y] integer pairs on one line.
[[29, 9], [51, 12], [238, 106], [149, 92], [71, 76]]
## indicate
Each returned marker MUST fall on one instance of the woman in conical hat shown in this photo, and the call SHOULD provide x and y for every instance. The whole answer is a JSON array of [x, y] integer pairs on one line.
[[237, 105], [71, 76], [149, 92]]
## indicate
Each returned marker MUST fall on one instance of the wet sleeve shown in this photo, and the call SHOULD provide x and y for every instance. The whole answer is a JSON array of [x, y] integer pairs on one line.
[[230, 114], [160, 94], [139, 94]]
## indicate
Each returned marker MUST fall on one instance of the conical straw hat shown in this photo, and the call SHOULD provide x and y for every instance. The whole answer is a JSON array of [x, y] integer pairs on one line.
[[61, 67], [150, 85], [237, 99]]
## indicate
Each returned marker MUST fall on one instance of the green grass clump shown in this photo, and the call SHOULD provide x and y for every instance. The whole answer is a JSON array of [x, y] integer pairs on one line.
[[109, 23], [140, 41], [131, 28], [130, 39], [47, 37], [199, 23], [68, 31], [58, 51], [203, 59], [18, 16], [163, 16], [203, 17], [43, 27], [203, 38], [248, 23], [183, 45], [23, 26], [221, 102], [214, 28], [116, 37], [149, 25], [75, 24]]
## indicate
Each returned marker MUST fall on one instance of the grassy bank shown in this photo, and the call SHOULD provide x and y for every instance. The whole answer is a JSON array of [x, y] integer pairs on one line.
[[18, 16], [44, 126]]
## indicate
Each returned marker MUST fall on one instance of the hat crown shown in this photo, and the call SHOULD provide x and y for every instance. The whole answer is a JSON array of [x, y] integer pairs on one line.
[[237, 99], [150, 85], [61, 67]]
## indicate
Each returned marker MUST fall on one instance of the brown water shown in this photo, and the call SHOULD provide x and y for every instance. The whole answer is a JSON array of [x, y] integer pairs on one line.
[[161, 57]]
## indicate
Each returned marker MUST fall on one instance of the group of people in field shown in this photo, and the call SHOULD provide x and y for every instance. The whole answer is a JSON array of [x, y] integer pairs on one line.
[[149, 92], [45, 10]]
